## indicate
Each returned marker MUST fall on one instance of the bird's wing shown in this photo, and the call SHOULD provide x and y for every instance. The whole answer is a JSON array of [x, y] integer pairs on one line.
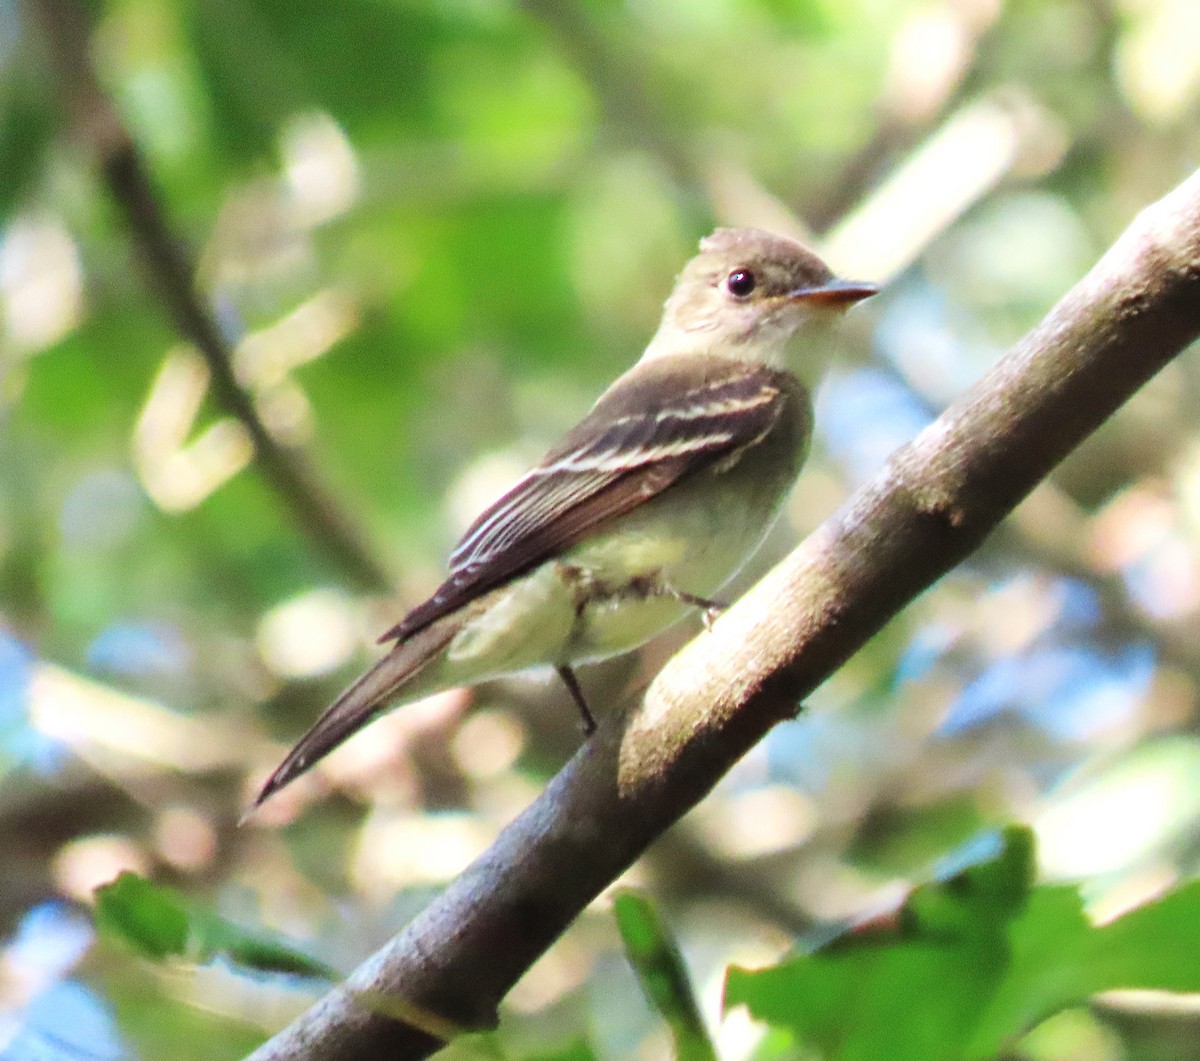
[[670, 419]]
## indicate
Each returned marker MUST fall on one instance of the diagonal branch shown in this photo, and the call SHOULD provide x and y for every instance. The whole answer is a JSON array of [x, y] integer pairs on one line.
[[170, 271], [928, 508]]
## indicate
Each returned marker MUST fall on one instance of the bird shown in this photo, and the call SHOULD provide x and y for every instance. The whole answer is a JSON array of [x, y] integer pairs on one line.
[[643, 511]]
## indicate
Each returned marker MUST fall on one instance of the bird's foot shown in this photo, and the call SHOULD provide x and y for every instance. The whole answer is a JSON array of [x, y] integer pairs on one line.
[[710, 610]]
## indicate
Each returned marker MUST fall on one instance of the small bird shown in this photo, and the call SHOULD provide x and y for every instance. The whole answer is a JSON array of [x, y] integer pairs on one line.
[[644, 510]]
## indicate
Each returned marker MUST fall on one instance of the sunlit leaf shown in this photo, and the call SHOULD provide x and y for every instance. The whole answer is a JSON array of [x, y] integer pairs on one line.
[[970, 965], [912, 992]]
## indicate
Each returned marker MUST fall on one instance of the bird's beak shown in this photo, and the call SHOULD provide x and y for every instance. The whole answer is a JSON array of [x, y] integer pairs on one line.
[[834, 293]]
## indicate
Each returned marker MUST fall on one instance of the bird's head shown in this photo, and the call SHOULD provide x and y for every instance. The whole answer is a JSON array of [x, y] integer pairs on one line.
[[747, 293]]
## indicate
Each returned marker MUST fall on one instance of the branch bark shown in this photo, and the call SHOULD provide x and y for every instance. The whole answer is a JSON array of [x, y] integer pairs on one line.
[[169, 271], [928, 508]]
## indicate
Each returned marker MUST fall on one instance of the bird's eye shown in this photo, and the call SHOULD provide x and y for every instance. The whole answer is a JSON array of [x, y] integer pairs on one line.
[[740, 283]]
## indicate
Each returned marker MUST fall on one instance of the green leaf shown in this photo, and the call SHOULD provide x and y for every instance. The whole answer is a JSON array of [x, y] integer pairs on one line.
[[153, 920], [161, 923], [980, 898], [909, 992], [970, 965], [655, 957], [1059, 958]]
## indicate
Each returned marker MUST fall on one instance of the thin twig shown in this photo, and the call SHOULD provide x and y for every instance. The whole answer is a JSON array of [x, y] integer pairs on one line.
[[935, 502], [170, 272]]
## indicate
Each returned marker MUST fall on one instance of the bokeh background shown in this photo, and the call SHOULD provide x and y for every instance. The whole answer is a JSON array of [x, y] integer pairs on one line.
[[431, 233]]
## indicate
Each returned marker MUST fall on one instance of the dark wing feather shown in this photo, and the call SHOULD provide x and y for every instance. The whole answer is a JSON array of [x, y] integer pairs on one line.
[[674, 417]]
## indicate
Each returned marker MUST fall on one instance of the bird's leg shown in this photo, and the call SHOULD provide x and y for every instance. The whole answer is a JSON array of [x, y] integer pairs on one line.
[[572, 683]]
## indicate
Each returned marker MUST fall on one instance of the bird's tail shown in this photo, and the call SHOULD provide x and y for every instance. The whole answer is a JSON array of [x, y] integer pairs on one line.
[[358, 705]]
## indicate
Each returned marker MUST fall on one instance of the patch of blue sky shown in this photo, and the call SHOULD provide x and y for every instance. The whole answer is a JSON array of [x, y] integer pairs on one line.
[[1070, 692], [864, 415], [20, 743], [66, 1022], [138, 650]]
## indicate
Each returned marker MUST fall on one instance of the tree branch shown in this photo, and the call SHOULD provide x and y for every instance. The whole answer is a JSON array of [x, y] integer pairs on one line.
[[169, 271], [928, 508]]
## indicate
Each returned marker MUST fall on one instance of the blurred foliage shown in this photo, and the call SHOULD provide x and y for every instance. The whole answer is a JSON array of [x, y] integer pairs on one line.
[[432, 233], [160, 923], [655, 957]]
